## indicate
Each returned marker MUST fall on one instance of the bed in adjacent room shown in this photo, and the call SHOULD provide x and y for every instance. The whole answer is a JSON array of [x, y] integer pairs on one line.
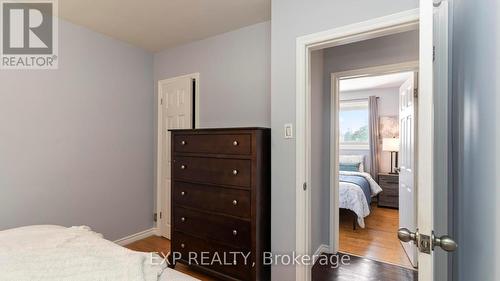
[[49, 252], [356, 187]]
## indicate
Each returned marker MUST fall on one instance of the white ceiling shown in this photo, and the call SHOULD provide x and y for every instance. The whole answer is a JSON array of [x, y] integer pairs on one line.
[[374, 82], [159, 24]]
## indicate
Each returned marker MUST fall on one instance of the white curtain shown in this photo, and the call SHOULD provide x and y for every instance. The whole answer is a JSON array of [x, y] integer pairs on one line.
[[374, 135]]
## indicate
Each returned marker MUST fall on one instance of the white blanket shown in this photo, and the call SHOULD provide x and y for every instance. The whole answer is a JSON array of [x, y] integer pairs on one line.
[[351, 196], [43, 252]]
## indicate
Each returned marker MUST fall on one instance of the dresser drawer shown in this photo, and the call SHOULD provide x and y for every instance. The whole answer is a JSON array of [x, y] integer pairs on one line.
[[213, 143], [228, 201], [191, 249], [390, 189], [388, 200], [223, 229], [213, 170]]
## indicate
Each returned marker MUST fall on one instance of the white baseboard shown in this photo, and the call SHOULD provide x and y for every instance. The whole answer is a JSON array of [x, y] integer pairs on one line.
[[321, 249], [137, 236]]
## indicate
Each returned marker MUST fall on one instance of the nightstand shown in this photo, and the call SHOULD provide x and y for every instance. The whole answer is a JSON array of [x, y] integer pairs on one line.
[[389, 197]]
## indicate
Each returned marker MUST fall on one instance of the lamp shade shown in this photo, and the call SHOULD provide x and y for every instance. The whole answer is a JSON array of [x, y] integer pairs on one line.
[[390, 144]]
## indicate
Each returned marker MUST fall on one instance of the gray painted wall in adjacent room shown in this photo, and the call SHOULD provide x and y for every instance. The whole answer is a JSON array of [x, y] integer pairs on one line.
[[234, 71], [320, 181], [76, 143], [476, 138], [290, 19]]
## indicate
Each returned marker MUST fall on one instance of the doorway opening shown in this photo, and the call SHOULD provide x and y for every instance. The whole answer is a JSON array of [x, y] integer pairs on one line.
[[431, 21], [374, 190]]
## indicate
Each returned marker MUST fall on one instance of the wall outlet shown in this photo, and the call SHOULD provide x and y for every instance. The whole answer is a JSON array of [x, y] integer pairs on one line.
[[288, 132]]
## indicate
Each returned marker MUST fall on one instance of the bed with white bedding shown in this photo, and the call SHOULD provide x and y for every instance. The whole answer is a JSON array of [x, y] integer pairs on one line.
[[356, 188], [49, 252]]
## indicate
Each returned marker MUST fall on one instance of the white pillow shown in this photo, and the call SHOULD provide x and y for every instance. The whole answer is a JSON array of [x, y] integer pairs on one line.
[[353, 159]]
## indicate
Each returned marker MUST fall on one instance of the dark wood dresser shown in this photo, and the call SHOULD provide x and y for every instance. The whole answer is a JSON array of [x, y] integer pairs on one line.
[[221, 200], [389, 197]]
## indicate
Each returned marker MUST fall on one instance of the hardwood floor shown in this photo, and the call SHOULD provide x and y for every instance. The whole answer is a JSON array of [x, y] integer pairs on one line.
[[378, 240], [162, 245], [360, 269], [377, 243]]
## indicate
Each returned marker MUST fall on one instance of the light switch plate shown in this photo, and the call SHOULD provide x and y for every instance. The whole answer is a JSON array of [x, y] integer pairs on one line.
[[288, 132]]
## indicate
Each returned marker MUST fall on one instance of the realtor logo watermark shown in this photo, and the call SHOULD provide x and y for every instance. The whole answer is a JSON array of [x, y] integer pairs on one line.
[[29, 34]]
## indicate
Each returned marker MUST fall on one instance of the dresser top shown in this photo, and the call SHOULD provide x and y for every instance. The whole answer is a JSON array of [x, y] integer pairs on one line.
[[220, 129]]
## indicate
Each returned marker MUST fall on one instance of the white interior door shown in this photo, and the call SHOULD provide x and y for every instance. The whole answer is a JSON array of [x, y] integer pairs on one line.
[[407, 175], [177, 113], [433, 18]]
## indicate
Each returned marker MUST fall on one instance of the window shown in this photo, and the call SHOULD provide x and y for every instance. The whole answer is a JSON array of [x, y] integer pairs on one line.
[[353, 125]]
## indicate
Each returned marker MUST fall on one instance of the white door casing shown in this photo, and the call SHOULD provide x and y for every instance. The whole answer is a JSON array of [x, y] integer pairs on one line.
[[175, 112], [407, 175]]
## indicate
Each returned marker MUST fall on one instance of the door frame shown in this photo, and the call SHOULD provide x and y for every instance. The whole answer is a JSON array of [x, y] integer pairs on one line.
[[334, 128], [160, 202], [391, 24]]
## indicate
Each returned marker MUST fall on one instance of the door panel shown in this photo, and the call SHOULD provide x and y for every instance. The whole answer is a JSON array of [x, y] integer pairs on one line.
[[407, 175], [177, 95]]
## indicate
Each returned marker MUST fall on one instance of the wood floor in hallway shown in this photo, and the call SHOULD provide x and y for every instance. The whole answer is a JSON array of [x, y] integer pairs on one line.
[[355, 268], [378, 240]]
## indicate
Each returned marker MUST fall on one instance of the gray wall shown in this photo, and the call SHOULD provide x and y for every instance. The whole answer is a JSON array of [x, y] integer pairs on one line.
[[476, 129], [290, 19], [388, 105], [234, 71], [76, 143]]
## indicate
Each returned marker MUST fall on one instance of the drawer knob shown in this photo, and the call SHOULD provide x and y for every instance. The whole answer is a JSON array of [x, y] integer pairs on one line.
[[235, 202], [183, 219], [183, 246], [235, 232], [235, 172], [183, 142], [183, 193], [183, 167], [235, 143]]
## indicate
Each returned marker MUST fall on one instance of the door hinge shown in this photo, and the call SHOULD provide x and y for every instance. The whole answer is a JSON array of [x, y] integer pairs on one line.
[[304, 186], [155, 217], [161, 101], [415, 93], [433, 53]]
